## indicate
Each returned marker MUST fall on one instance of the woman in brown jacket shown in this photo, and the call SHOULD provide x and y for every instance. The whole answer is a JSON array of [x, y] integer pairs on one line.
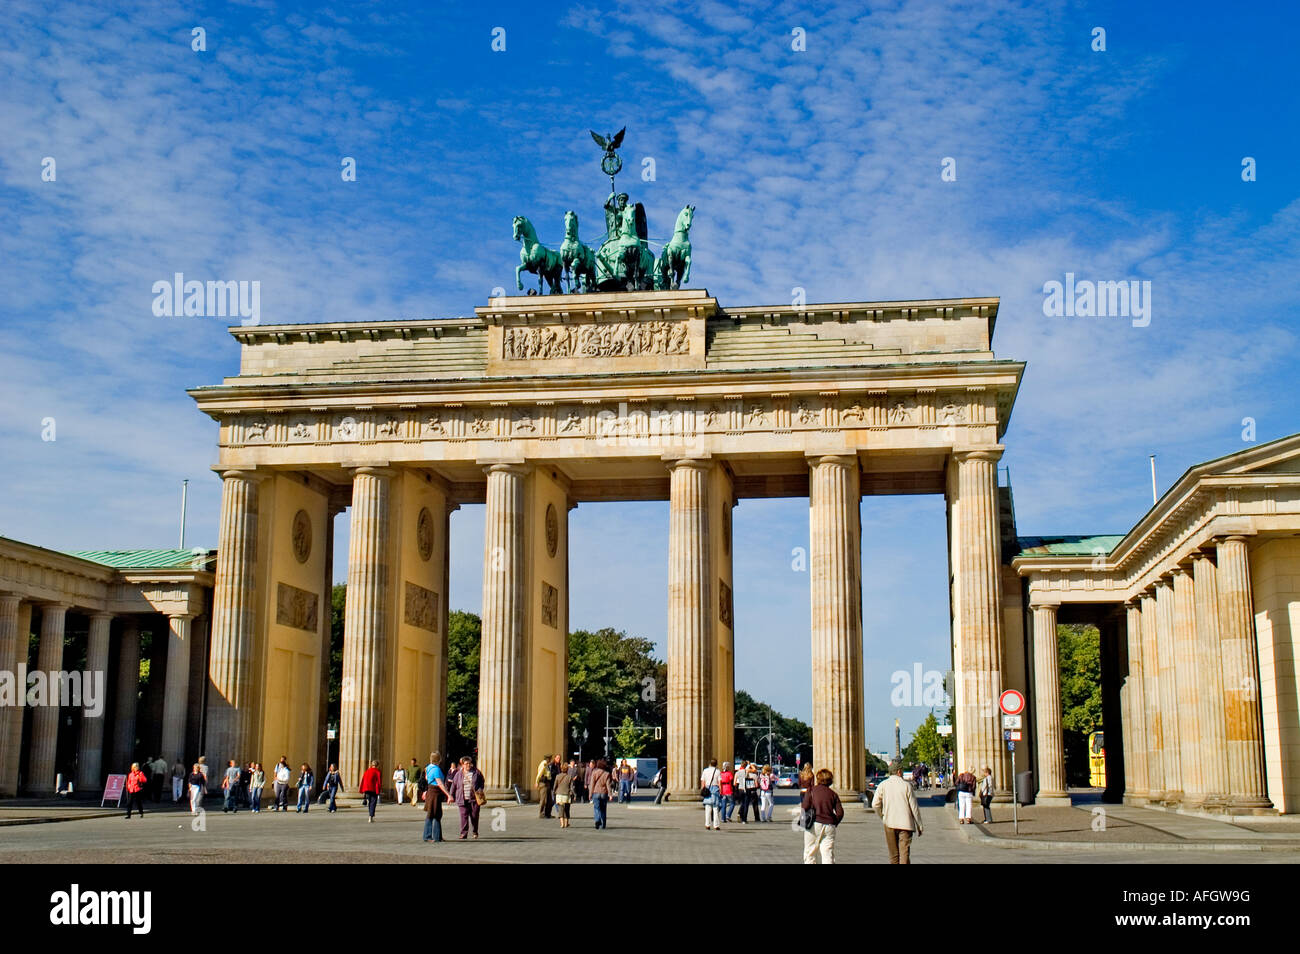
[[600, 793], [828, 813]]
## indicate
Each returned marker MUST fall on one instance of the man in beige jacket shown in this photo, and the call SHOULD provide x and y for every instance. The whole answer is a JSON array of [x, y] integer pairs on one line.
[[895, 803]]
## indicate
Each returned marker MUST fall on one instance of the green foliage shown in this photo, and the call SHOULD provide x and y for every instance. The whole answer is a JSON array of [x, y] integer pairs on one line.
[[927, 746], [610, 668], [338, 596], [1079, 647], [629, 741], [464, 633], [791, 735]]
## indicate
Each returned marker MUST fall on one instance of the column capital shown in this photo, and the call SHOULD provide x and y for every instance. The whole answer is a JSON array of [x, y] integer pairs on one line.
[[1044, 604], [1232, 538], [370, 470], [100, 614], [1199, 555], [993, 453], [228, 472], [696, 462], [7, 597], [1134, 602], [1179, 570], [55, 605], [184, 616], [846, 461]]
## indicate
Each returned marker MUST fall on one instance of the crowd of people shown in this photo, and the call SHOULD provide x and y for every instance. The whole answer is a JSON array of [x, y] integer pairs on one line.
[[730, 794]]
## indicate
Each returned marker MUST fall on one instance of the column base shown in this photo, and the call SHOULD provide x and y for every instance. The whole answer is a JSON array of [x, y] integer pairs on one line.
[[505, 794], [1250, 806], [1137, 801], [691, 795], [1053, 800]]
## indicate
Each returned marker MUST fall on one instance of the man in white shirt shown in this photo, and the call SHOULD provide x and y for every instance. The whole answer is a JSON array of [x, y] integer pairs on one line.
[[711, 779]]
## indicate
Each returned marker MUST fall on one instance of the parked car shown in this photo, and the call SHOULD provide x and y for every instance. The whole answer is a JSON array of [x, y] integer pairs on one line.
[[787, 780]]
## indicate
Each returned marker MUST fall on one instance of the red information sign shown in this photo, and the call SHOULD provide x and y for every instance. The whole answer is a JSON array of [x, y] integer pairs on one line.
[[1012, 702], [113, 789]]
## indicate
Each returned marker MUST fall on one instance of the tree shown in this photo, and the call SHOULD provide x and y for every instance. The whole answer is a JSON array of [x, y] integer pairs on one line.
[[927, 746], [464, 635], [629, 741], [609, 668], [788, 733], [1079, 648], [338, 600]]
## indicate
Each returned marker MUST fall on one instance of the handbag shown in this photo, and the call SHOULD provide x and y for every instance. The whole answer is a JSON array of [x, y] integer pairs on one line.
[[807, 818], [479, 797]]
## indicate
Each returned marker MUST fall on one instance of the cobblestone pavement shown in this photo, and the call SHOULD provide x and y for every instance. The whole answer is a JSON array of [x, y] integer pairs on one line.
[[638, 833]]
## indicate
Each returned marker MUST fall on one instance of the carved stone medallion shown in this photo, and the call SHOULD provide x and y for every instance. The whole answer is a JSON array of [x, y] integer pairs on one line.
[[424, 533], [552, 530], [301, 536]]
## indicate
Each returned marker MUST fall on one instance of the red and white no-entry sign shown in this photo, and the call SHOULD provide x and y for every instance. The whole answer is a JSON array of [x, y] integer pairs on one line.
[[1012, 702]]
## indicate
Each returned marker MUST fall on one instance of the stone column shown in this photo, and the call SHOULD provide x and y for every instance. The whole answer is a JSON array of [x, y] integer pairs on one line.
[[834, 494], [90, 746], [690, 631], [503, 652], [1170, 750], [128, 695], [176, 689], [1047, 709], [1248, 789], [11, 717], [977, 617], [1136, 785], [365, 628], [1209, 673], [42, 761], [234, 620], [1185, 660], [1151, 698]]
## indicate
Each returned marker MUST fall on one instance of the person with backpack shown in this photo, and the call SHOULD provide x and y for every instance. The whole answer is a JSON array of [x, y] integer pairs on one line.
[[821, 806], [749, 790], [711, 795], [965, 795], [727, 787]]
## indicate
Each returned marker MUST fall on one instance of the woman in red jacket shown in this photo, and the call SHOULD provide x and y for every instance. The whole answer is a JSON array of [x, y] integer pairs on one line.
[[370, 788], [135, 783]]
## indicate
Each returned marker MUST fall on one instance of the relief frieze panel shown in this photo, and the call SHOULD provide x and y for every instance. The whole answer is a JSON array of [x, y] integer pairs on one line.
[[735, 414]]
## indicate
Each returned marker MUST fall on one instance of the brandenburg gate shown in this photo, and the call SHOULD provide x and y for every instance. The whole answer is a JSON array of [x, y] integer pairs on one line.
[[536, 404]]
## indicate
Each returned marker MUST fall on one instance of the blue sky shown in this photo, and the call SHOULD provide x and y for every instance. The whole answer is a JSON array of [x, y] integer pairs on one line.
[[818, 169]]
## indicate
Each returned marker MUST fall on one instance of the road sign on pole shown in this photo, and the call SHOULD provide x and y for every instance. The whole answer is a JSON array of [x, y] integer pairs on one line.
[[1011, 722], [1012, 702]]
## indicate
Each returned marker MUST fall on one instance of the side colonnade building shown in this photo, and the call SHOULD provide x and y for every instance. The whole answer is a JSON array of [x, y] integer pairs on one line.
[[1199, 610], [93, 610]]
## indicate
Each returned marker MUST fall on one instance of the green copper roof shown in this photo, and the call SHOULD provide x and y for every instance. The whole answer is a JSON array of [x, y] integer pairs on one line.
[[148, 559], [1069, 544]]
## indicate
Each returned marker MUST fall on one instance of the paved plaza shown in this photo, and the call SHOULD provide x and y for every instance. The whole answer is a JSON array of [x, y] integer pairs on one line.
[[639, 833]]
